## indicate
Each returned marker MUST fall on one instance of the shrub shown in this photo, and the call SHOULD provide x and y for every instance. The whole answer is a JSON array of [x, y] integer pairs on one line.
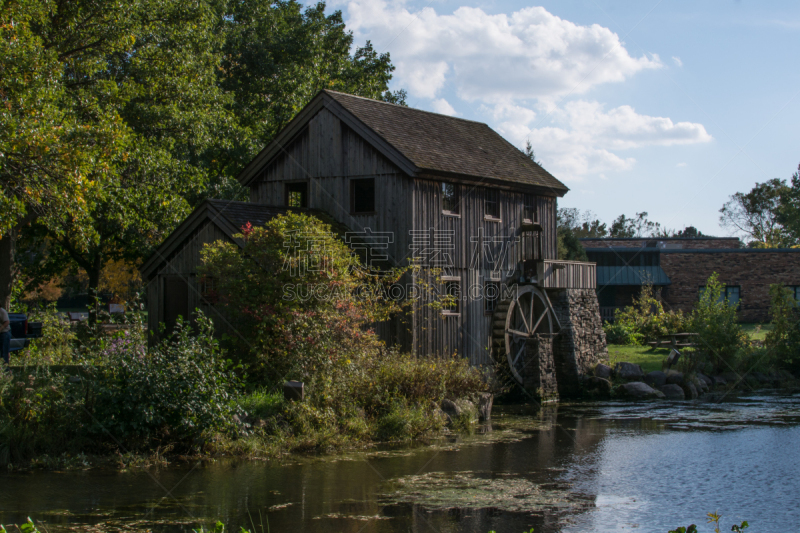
[[619, 332], [783, 339], [302, 303], [645, 320], [55, 347], [720, 337], [40, 413], [173, 394]]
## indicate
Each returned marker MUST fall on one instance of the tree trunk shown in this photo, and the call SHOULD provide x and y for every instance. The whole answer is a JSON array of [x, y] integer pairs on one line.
[[8, 269], [94, 287]]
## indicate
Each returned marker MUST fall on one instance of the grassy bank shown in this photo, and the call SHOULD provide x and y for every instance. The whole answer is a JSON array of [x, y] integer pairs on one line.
[[651, 359]]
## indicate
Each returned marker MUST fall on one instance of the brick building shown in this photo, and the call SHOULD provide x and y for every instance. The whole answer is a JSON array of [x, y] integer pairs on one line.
[[679, 268]]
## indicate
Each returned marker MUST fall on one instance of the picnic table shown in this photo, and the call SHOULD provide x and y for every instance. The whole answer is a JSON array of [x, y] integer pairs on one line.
[[675, 340]]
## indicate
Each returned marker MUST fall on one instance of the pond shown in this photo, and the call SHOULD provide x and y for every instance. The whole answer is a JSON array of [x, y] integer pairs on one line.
[[570, 468]]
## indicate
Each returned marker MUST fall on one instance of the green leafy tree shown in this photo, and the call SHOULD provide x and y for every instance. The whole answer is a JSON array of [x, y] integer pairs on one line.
[[757, 215], [62, 138], [783, 338], [789, 209], [173, 113], [714, 319], [638, 226], [278, 56], [201, 87]]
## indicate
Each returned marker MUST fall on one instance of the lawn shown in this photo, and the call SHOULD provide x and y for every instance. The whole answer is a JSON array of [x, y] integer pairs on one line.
[[651, 359], [641, 355]]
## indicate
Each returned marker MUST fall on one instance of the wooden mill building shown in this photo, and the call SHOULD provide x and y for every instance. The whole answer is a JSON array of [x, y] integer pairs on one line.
[[449, 193]]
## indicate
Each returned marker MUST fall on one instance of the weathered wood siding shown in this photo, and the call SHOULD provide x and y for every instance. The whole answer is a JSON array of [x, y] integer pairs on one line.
[[477, 244], [183, 263], [327, 155]]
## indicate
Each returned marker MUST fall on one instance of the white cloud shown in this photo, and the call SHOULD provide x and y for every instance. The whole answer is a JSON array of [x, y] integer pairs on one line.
[[524, 68], [527, 54], [585, 138], [443, 106], [679, 165]]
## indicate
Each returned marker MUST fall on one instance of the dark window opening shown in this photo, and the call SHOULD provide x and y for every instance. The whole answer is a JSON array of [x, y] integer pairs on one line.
[[529, 209], [452, 288], [297, 195], [450, 198], [491, 295], [176, 301], [362, 196], [208, 289], [491, 203]]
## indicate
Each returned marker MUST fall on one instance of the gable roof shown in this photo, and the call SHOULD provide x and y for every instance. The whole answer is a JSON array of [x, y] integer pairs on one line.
[[420, 142], [229, 216]]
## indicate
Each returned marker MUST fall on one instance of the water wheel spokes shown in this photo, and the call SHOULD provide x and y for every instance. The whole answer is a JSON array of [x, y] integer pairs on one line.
[[529, 313]]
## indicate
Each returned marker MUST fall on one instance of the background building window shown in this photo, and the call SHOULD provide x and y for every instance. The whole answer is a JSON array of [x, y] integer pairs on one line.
[[731, 293], [362, 196], [452, 288], [450, 198], [795, 291], [297, 195], [491, 295], [491, 203]]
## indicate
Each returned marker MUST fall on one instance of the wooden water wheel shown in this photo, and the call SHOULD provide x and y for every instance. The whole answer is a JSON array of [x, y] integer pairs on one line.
[[516, 320]]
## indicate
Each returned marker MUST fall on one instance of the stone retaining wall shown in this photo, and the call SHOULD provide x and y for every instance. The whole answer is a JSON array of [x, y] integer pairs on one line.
[[581, 343], [539, 373]]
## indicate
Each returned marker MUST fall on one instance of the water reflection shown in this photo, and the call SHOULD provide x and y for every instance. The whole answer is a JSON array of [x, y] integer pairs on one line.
[[585, 467]]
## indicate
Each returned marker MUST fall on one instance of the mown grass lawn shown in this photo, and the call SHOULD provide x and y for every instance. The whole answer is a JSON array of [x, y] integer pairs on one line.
[[651, 360]]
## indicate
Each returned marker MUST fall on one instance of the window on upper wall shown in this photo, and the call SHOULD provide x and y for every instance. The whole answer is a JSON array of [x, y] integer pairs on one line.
[[362, 196], [491, 295], [296, 195], [450, 198], [491, 204], [731, 294], [452, 288], [529, 209]]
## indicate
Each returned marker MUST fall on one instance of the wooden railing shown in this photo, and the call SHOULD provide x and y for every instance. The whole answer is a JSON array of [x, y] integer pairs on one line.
[[607, 313], [555, 274]]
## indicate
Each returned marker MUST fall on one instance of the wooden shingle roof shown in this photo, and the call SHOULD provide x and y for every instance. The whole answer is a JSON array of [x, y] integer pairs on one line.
[[420, 143], [441, 143]]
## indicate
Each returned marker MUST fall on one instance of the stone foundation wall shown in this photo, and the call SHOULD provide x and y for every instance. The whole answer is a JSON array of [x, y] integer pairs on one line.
[[581, 343], [539, 373]]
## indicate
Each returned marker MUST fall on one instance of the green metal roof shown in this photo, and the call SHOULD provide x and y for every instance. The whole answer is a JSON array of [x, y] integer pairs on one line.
[[631, 275]]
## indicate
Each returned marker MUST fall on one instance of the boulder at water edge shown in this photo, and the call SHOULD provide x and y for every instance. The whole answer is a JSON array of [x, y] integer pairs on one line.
[[705, 379], [674, 377], [600, 385], [628, 371], [637, 390], [689, 391], [656, 378], [673, 392], [602, 371]]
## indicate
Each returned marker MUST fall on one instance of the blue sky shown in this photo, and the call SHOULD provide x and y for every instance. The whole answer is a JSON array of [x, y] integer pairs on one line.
[[662, 106]]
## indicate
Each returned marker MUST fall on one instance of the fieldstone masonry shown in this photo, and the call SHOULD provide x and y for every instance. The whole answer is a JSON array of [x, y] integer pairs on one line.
[[539, 373], [581, 343]]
